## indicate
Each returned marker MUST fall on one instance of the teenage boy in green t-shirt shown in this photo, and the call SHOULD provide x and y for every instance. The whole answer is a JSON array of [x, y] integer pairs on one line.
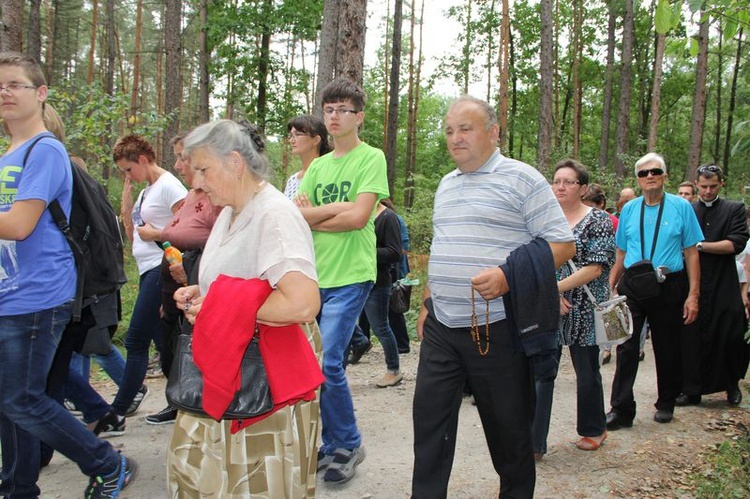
[[337, 197]]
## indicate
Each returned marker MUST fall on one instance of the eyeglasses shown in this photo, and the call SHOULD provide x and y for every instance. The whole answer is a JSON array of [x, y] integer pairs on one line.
[[656, 172], [565, 182], [15, 87], [328, 111], [709, 168], [295, 136]]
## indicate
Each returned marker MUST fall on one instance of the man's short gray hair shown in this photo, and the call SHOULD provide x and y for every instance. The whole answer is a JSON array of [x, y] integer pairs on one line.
[[651, 157], [488, 110]]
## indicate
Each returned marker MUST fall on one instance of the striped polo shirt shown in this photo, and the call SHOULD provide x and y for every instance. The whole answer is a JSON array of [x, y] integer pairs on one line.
[[478, 219]]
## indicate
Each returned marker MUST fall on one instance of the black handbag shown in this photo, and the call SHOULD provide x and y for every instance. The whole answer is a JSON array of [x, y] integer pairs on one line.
[[639, 281], [400, 297], [185, 384]]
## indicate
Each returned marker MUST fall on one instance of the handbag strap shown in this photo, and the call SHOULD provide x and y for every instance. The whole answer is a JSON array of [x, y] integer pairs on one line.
[[585, 286], [656, 229]]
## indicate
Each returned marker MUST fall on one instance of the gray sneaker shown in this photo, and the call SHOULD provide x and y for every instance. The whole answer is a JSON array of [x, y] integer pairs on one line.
[[344, 464], [136, 403]]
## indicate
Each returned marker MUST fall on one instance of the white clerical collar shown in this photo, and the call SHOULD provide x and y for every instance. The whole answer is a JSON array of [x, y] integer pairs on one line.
[[708, 204]]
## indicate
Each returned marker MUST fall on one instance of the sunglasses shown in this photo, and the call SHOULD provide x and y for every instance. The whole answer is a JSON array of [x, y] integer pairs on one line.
[[709, 168], [656, 172]]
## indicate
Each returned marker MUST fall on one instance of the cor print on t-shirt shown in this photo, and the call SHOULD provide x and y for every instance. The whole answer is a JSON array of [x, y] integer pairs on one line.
[[331, 193]]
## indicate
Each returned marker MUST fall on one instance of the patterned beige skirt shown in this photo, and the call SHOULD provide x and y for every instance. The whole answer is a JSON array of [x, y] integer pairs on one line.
[[274, 458]]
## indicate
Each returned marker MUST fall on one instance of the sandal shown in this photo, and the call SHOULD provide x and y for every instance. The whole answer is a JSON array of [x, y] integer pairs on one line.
[[588, 443]]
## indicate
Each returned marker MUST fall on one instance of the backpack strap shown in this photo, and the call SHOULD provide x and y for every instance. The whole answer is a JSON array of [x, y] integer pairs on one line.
[[58, 215]]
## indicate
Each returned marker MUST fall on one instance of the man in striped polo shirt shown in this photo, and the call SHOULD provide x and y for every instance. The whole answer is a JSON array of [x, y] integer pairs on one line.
[[486, 208]]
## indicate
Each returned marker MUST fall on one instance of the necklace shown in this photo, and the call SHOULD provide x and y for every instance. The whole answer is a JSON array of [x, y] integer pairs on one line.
[[475, 336]]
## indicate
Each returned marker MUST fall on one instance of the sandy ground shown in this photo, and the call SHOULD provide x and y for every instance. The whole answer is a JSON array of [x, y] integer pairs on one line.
[[648, 460]]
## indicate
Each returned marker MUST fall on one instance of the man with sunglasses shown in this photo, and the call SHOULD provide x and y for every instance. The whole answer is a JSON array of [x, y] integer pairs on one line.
[[662, 228], [715, 355]]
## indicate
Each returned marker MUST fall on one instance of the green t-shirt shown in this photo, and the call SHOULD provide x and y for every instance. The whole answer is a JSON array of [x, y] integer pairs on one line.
[[344, 258]]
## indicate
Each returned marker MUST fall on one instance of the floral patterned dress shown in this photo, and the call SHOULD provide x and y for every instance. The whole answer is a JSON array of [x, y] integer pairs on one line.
[[595, 244]]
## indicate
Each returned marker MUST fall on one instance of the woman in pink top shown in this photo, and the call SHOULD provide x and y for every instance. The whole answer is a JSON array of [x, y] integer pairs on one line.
[[188, 231]]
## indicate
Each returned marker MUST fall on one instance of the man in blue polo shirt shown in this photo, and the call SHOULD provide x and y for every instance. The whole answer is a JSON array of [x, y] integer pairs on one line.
[[662, 228]]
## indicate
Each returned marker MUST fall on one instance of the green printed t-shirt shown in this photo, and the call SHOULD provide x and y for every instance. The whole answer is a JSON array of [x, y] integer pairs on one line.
[[344, 258]]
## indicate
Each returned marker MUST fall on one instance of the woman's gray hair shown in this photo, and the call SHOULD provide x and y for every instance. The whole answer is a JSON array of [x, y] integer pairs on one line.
[[651, 157], [222, 137]]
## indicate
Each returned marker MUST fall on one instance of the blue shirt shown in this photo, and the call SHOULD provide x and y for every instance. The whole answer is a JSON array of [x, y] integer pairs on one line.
[[38, 272], [679, 229]]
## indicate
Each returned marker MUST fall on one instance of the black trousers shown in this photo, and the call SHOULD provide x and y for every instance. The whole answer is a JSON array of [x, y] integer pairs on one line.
[[664, 314], [503, 388]]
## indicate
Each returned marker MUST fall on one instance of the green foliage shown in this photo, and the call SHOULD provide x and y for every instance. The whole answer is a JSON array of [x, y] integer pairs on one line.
[[728, 474]]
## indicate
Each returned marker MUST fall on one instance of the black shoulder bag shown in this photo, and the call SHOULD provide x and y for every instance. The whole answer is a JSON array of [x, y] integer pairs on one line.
[[640, 282]]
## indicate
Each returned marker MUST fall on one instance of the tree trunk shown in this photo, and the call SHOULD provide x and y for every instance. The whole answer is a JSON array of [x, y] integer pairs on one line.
[[503, 63], [137, 58], [172, 75], [386, 75], [109, 75], [466, 65], [732, 99], [719, 75], [11, 32], [653, 128], [544, 137], [351, 48], [608, 81], [623, 114], [203, 56], [393, 99], [92, 43], [328, 44], [577, 86], [699, 100], [34, 33], [263, 65], [414, 84]]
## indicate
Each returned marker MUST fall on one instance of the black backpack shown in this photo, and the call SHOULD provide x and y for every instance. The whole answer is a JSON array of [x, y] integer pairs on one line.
[[93, 234]]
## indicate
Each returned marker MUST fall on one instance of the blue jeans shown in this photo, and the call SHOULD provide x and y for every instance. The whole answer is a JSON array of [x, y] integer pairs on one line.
[[86, 399], [27, 414], [145, 325], [376, 308], [113, 364], [339, 312]]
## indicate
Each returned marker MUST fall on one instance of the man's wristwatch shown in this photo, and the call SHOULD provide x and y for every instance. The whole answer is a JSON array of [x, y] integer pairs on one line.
[[699, 246]]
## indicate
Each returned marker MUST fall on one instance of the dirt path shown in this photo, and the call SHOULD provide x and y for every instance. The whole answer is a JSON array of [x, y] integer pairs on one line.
[[648, 460]]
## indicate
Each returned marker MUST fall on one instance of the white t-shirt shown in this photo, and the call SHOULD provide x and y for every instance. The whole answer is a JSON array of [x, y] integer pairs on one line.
[[155, 204]]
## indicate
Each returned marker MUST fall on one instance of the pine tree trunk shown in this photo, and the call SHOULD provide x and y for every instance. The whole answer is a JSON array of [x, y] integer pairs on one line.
[[137, 58], [350, 59], [699, 101], [203, 82], [328, 50], [172, 75], [11, 34], [393, 100], [544, 137], [608, 83], [732, 103], [623, 114], [34, 32], [503, 75], [92, 44], [719, 76], [653, 128]]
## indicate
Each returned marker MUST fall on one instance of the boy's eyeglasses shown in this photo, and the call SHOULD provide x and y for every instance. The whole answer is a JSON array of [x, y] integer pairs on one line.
[[15, 87], [328, 111], [656, 172]]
